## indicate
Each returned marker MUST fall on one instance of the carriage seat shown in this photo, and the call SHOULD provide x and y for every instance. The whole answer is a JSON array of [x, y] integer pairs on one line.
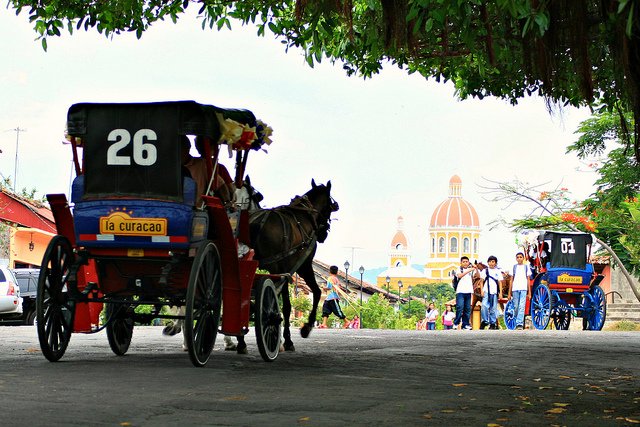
[[189, 190]]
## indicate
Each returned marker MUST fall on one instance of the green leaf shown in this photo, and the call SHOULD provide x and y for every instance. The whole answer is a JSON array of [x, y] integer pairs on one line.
[[44, 44]]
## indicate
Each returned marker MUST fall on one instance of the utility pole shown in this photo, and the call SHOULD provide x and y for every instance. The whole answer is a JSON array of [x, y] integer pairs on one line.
[[15, 165], [353, 248]]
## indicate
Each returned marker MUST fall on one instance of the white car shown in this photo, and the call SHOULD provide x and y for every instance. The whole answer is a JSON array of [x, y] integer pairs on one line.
[[10, 300]]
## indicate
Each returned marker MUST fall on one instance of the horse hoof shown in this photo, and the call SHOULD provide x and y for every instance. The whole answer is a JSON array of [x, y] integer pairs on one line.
[[171, 330], [305, 331], [242, 350], [289, 347]]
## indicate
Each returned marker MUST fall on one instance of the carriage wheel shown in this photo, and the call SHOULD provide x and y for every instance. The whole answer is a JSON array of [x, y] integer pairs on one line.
[[599, 309], [561, 315], [268, 320], [203, 305], [541, 307], [54, 309], [120, 327], [510, 315]]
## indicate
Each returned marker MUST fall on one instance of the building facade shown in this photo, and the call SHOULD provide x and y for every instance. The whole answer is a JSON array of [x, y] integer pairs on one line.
[[454, 231]]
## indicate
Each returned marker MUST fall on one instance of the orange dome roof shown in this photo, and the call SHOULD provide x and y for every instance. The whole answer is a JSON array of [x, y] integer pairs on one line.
[[455, 179], [399, 241], [455, 211]]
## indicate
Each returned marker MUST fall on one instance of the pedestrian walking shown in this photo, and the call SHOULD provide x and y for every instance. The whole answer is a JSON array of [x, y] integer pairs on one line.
[[431, 316], [491, 277], [332, 301], [464, 290], [520, 288], [448, 317]]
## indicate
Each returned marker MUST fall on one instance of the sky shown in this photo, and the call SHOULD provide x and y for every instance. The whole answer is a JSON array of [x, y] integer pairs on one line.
[[388, 144]]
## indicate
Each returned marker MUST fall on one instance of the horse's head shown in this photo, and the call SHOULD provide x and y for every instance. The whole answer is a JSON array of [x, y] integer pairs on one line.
[[248, 197], [320, 198]]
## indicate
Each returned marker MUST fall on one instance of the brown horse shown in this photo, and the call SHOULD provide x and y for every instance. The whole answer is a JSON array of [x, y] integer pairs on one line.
[[285, 240]]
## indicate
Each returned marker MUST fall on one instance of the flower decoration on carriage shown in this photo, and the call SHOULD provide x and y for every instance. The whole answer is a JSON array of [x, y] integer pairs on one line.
[[236, 135], [527, 238], [263, 136]]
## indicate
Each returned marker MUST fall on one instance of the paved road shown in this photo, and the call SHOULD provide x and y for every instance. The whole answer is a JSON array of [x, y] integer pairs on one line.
[[336, 377]]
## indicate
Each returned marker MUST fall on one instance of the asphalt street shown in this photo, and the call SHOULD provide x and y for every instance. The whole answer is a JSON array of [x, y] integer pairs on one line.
[[335, 377]]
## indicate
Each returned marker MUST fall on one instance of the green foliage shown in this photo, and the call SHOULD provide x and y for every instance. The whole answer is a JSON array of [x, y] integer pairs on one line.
[[377, 313], [507, 48], [5, 233]]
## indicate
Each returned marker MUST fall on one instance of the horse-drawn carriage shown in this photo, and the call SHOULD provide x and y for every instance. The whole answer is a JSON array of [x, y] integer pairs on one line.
[[135, 235], [564, 283]]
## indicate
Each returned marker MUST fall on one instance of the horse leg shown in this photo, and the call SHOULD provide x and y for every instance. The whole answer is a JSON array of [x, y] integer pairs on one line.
[[306, 272], [176, 326], [286, 312], [241, 348]]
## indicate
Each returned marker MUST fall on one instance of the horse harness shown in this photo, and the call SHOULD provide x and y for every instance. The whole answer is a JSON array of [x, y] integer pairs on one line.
[[287, 216]]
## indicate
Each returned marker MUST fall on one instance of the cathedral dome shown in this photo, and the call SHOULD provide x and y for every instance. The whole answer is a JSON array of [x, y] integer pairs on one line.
[[455, 211]]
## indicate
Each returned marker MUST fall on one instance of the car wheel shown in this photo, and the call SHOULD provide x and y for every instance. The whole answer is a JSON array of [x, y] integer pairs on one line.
[[30, 318]]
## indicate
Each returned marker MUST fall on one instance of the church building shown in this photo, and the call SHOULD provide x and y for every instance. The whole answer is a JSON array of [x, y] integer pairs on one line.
[[454, 231]]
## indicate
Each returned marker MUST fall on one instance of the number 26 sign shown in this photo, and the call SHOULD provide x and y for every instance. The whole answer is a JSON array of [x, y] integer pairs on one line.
[[144, 152]]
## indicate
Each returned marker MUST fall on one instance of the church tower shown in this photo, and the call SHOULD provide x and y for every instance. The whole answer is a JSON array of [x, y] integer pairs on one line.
[[400, 270], [454, 231]]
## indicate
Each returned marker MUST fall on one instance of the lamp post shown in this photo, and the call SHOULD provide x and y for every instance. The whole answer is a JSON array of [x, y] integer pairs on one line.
[[361, 270], [387, 279], [409, 289], [346, 272], [399, 292]]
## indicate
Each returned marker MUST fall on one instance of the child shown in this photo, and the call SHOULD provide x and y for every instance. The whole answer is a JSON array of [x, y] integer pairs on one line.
[[448, 316], [519, 288], [431, 316], [489, 310]]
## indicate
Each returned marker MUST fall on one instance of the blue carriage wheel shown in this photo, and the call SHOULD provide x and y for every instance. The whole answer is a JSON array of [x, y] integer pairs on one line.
[[541, 307], [599, 310], [510, 315]]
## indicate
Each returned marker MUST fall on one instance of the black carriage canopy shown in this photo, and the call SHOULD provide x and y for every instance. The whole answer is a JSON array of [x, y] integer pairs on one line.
[[134, 149], [567, 250]]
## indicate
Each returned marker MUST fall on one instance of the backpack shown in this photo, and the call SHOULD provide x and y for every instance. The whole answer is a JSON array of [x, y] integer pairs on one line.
[[455, 280]]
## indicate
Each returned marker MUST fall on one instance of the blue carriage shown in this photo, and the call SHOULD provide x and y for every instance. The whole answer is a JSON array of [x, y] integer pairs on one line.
[[564, 284]]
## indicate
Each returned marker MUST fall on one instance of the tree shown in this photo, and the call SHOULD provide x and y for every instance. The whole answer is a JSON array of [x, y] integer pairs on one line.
[[571, 52]]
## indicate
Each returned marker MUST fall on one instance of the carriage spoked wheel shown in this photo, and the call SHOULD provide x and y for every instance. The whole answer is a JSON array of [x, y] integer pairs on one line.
[[203, 304], [598, 309], [561, 315], [268, 320], [120, 327], [541, 307], [510, 315], [54, 309]]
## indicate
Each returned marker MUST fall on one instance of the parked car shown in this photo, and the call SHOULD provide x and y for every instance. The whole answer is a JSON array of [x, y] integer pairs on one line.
[[28, 282], [10, 299]]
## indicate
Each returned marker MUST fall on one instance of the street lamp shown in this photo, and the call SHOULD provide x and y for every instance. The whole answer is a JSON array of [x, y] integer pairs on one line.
[[409, 289], [361, 270], [346, 272], [399, 291], [388, 279]]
